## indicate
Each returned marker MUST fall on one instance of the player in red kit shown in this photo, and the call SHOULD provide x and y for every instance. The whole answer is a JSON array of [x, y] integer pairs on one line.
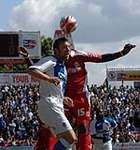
[[76, 89]]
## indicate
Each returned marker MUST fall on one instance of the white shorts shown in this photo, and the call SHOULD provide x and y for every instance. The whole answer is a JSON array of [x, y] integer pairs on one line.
[[99, 145], [51, 111]]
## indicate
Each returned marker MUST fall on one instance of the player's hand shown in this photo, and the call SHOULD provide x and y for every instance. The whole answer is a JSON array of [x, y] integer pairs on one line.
[[23, 51], [127, 48], [54, 80], [68, 101]]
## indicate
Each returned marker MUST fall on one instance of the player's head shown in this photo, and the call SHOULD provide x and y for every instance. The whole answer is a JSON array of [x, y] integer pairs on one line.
[[107, 112], [68, 24], [61, 48], [99, 114]]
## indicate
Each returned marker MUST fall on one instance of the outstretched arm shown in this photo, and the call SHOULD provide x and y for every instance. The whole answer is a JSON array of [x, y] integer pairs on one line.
[[23, 51], [109, 57], [100, 58]]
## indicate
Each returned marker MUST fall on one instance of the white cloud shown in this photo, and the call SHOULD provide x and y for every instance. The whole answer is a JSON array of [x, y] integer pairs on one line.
[[132, 6], [38, 15], [99, 21]]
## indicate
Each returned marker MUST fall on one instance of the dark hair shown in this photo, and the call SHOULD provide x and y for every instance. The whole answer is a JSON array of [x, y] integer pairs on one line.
[[57, 42]]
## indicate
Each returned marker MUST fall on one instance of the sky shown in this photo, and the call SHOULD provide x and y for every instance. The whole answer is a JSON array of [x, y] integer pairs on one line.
[[103, 26]]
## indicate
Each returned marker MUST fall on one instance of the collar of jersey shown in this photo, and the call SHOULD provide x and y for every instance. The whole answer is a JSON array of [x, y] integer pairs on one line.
[[58, 60]]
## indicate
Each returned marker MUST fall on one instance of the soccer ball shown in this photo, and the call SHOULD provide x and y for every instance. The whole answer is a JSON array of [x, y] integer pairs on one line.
[[68, 24]]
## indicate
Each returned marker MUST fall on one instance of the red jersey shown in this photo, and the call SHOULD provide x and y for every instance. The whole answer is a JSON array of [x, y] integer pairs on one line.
[[77, 74]]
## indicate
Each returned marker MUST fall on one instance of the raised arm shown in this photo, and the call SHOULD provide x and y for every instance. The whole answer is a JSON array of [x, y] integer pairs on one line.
[[109, 57], [23, 51], [100, 58]]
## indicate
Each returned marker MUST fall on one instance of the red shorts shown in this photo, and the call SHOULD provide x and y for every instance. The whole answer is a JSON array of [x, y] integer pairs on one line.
[[79, 117], [81, 110], [46, 140]]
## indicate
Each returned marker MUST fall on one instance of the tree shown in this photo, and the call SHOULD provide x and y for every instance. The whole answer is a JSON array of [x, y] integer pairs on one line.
[[46, 46]]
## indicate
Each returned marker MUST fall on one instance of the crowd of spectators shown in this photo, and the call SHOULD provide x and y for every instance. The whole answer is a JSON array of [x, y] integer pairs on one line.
[[18, 114], [19, 122], [123, 105]]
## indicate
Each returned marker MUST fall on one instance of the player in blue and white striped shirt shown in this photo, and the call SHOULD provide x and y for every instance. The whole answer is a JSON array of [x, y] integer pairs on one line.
[[101, 131], [52, 75]]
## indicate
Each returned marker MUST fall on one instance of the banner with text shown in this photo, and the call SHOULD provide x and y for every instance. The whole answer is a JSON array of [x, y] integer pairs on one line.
[[16, 78], [126, 75]]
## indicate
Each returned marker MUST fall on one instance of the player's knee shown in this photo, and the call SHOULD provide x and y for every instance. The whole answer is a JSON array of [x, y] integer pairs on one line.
[[70, 137], [82, 128], [73, 139]]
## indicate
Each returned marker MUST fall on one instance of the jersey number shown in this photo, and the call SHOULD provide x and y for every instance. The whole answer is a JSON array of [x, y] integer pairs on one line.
[[81, 112]]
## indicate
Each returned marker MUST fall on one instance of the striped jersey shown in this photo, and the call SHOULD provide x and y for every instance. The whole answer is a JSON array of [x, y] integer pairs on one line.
[[102, 129], [53, 67]]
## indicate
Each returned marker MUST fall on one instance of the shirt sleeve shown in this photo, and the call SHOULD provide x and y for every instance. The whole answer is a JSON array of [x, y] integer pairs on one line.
[[106, 126], [88, 56], [44, 64], [113, 123]]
